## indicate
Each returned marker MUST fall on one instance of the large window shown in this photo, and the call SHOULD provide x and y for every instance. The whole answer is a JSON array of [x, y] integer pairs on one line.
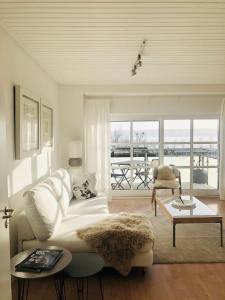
[[205, 153], [190, 144], [133, 146], [177, 139]]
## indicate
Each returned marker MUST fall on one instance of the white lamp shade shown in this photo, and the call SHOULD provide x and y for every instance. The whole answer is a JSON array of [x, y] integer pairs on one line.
[[75, 149]]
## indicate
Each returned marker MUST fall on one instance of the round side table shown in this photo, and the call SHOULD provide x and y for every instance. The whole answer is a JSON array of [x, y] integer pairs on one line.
[[83, 266], [24, 277]]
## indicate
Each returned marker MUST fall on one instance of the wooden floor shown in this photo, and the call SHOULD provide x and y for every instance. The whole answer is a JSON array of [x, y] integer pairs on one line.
[[161, 282]]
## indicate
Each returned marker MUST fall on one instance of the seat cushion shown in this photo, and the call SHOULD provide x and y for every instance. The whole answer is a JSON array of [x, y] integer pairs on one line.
[[66, 235], [169, 184], [96, 205], [43, 211]]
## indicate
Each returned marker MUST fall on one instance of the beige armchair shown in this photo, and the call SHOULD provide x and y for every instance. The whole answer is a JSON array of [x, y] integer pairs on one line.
[[166, 177]]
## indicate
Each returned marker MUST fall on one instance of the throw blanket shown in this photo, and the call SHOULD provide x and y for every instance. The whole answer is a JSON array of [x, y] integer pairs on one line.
[[119, 238]]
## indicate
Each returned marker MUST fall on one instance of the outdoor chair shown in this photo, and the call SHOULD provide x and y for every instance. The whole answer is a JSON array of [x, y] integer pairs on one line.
[[144, 172], [119, 174]]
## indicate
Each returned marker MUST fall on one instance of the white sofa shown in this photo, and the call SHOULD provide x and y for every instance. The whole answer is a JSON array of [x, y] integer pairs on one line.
[[52, 216]]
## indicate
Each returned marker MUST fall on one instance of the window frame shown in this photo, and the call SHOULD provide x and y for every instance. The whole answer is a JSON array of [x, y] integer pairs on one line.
[[161, 119]]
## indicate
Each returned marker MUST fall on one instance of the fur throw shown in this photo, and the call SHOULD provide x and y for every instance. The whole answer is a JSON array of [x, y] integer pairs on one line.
[[119, 238], [165, 173]]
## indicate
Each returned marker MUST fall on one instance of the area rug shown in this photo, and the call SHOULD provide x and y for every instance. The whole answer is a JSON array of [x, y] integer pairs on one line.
[[194, 242]]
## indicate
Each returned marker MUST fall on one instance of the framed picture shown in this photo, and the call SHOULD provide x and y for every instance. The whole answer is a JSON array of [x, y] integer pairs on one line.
[[47, 126], [27, 122]]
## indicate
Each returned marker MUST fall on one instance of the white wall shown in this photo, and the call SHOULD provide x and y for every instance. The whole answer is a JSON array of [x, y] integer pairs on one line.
[[136, 101], [167, 105], [17, 67]]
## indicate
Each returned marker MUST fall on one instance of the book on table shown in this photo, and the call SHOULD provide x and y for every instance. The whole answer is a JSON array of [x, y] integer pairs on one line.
[[40, 260]]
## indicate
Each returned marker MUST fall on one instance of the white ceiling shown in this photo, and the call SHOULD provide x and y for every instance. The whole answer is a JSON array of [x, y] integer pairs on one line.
[[96, 42]]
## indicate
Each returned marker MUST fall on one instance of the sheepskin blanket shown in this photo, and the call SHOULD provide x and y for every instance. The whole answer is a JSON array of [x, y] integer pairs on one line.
[[119, 238]]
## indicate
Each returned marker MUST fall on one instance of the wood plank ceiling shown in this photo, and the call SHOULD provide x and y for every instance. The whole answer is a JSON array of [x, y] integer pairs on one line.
[[96, 42]]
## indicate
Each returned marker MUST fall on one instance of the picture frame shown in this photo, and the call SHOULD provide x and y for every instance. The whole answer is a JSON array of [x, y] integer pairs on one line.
[[27, 122], [46, 126]]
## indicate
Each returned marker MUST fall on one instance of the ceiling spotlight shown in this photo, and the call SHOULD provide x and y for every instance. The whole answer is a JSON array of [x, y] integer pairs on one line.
[[138, 62]]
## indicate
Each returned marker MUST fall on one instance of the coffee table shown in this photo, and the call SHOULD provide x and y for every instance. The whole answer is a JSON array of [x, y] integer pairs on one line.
[[24, 277], [200, 214]]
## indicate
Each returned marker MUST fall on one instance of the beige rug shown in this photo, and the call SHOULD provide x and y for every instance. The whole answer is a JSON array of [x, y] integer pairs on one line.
[[194, 242]]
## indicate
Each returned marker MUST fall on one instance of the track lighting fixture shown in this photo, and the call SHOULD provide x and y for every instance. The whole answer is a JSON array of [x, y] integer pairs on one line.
[[138, 62]]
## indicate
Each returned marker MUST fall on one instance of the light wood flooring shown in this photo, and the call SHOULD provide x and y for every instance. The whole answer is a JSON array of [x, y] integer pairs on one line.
[[161, 282]]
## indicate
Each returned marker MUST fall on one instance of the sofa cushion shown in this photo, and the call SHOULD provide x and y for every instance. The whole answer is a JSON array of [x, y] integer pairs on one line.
[[61, 188], [43, 211], [96, 205], [66, 235], [25, 232]]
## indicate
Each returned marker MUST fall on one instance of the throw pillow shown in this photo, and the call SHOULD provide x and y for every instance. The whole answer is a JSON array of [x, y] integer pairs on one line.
[[84, 190]]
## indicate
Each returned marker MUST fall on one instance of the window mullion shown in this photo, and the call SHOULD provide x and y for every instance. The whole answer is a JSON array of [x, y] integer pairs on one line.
[[161, 141], [191, 154], [131, 152]]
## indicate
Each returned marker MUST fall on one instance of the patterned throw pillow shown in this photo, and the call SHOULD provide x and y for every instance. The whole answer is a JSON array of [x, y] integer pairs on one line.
[[85, 190]]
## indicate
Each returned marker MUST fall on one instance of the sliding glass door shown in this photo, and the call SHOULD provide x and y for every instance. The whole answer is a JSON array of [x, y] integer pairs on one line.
[[189, 144], [205, 154], [177, 146], [133, 146]]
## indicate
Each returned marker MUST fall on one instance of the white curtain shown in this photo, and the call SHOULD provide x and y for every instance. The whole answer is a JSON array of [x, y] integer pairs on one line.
[[97, 142], [222, 152]]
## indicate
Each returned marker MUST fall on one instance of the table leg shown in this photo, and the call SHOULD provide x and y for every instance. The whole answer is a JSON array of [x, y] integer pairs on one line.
[[22, 288], [101, 286], [174, 234], [221, 233], [60, 286], [82, 288], [155, 205]]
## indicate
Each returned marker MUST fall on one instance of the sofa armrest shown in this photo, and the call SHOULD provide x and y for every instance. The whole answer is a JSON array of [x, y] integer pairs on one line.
[[25, 232]]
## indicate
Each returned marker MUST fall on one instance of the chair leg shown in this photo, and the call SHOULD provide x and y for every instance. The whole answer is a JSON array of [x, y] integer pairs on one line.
[[172, 191]]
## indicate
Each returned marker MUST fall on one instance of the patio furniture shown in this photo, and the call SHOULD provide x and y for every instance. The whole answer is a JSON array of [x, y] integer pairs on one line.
[[119, 174], [166, 177], [145, 172], [142, 172]]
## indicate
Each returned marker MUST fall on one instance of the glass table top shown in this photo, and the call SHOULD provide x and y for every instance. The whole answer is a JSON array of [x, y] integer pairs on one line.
[[200, 208], [84, 265]]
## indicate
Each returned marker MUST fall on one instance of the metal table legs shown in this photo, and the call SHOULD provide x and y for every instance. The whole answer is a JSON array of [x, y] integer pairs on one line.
[[174, 233], [59, 281], [23, 287], [174, 222], [82, 288]]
